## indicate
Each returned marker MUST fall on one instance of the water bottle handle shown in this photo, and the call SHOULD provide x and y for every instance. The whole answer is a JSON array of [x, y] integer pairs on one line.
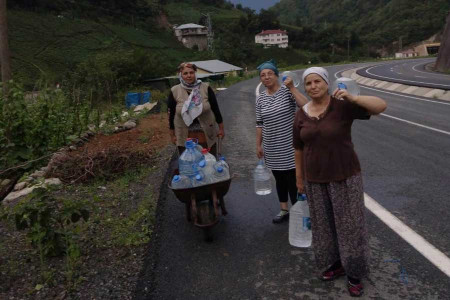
[[301, 197]]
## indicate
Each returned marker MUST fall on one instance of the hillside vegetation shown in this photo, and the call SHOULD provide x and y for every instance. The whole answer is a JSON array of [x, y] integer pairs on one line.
[[371, 25]]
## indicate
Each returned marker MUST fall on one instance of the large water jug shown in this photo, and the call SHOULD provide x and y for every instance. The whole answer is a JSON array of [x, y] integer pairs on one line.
[[207, 167], [220, 173], [189, 159], [181, 182], [300, 234], [208, 156], [292, 75], [262, 179], [199, 179], [347, 84]]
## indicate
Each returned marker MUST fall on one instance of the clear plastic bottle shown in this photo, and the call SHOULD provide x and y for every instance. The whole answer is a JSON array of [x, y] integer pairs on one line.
[[180, 182], [189, 159], [262, 179], [292, 75], [220, 173], [208, 156], [346, 83], [199, 179], [300, 234]]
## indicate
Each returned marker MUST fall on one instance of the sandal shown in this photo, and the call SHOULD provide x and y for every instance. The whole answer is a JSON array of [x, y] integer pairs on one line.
[[332, 274], [355, 290]]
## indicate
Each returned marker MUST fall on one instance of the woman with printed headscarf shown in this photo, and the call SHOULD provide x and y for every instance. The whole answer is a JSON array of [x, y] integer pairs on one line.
[[329, 172], [194, 111], [275, 111]]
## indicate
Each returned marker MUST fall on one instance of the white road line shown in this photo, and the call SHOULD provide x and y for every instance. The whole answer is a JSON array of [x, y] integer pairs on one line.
[[419, 76], [416, 124], [436, 257], [404, 80], [403, 95], [257, 89]]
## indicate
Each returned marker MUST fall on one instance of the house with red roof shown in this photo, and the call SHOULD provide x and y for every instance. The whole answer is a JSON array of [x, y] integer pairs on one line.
[[272, 38]]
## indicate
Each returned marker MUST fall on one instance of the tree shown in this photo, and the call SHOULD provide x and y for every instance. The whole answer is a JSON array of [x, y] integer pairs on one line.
[[443, 60], [5, 58]]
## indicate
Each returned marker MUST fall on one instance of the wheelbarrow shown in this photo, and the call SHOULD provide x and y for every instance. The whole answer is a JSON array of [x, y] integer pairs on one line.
[[204, 204]]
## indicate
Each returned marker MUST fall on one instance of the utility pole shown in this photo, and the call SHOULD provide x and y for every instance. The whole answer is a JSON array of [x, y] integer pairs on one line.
[[210, 36], [5, 58]]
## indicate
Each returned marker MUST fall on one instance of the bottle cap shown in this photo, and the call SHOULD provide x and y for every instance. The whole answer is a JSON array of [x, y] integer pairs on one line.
[[176, 178], [202, 163], [189, 144], [198, 177], [222, 158], [204, 151], [220, 169]]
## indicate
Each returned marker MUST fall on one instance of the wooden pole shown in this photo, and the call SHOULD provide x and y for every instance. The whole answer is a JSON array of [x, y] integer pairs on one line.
[[5, 58]]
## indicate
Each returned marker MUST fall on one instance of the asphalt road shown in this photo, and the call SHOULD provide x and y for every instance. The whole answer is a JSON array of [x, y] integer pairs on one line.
[[409, 72], [406, 168]]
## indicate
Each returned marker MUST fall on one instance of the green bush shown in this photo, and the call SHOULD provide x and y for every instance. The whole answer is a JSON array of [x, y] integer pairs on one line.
[[34, 125]]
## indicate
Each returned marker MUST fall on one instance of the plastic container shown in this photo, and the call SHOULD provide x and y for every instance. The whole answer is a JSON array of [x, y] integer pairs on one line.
[[207, 168], [199, 179], [181, 182], [300, 234], [223, 162], [189, 159], [346, 83], [292, 75], [220, 174], [262, 179], [208, 156]]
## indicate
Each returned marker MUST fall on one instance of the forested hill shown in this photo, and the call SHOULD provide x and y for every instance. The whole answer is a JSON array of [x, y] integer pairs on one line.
[[373, 22]]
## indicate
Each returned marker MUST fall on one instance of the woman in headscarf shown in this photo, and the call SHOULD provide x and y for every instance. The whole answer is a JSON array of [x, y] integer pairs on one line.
[[194, 111], [275, 111], [329, 172]]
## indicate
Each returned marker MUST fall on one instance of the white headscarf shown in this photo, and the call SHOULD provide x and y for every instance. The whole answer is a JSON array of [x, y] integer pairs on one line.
[[316, 70]]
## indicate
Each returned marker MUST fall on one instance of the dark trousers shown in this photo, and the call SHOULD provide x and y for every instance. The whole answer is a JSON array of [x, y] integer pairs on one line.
[[286, 185]]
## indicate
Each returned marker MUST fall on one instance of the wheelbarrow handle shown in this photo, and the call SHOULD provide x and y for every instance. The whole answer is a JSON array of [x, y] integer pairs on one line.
[[219, 147]]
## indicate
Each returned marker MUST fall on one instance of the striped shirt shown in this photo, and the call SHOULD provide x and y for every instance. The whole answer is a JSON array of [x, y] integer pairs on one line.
[[275, 115]]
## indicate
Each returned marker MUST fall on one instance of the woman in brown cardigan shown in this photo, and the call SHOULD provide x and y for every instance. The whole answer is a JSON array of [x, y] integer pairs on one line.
[[194, 111], [328, 170]]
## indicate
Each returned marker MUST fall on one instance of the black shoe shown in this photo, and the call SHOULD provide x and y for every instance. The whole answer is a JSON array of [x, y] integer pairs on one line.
[[282, 216]]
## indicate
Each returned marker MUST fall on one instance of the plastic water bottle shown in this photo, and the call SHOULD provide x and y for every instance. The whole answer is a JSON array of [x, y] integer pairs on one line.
[[300, 234], [208, 156], [262, 179], [223, 162], [181, 182], [189, 159], [344, 83], [292, 75], [199, 179], [220, 173]]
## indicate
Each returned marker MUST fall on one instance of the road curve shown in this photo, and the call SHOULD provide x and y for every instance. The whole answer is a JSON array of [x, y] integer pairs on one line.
[[409, 72]]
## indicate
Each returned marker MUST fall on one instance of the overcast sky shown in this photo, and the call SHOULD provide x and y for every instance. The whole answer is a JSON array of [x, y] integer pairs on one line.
[[256, 4]]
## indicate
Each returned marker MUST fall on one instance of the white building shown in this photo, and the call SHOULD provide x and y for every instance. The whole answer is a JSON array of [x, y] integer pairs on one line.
[[272, 38], [192, 35]]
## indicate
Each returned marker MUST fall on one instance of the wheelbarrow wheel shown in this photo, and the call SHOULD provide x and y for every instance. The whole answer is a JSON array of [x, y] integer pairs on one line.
[[207, 234]]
